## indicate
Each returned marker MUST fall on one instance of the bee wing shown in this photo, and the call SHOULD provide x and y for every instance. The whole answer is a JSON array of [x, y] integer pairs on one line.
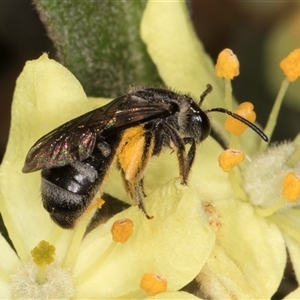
[[76, 139]]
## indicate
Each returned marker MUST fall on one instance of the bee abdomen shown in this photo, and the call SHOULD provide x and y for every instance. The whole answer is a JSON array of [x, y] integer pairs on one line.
[[67, 192]]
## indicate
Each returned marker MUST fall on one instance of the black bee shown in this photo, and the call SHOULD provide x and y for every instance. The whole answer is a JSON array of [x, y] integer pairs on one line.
[[75, 157]]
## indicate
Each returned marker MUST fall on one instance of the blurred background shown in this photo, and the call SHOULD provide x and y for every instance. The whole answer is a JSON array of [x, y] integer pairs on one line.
[[244, 26], [259, 33]]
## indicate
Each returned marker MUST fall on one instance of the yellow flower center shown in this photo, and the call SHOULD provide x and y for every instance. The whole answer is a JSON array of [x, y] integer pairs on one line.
[[42, 279], [270, 181]]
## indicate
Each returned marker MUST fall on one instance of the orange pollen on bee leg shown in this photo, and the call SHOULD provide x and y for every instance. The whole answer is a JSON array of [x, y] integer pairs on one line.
[[246, 111], [121, 230], [153, 284], [97, 203], [230, 158], [291, 187]]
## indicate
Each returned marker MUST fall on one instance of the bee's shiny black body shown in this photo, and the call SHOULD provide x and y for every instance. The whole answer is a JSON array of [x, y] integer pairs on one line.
[[75, 157]]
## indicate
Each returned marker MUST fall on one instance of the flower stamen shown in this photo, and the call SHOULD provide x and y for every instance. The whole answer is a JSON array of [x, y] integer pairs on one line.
[[236, 127], [121, 230], [42, 255], [230, 158], [227, 161], [291, 68], [227, 67], [274, 113], [290, 65], [291, 187], [290, 192], [266, 212], [153, 284]]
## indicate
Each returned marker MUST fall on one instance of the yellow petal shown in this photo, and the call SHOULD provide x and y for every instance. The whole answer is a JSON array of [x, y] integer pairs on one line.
[[167, 30], [289, 223], [182, 63], [174, 244], [9, 262], [46, 95], [249, 257], [174, 296], [206, 173]]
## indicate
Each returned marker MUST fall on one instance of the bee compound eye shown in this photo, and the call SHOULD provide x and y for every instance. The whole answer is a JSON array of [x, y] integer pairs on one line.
[[205, 126], [199, 126]]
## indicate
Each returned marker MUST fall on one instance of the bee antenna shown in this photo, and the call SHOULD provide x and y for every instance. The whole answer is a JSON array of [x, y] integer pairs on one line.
[[236, 116], [208, 89]]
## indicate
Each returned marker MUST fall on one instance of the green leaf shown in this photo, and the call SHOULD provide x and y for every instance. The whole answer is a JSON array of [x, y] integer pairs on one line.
[[100, 44]]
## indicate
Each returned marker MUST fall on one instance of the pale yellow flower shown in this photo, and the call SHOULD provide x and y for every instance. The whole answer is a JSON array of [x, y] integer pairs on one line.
[[95, 266]]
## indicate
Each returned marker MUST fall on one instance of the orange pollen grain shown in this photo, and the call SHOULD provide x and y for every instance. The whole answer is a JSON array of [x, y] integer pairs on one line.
[[290, 65], [121, 230], [291, 187], [230, 158], [153, 284], [246, 111], [227, 65], [97, 203]]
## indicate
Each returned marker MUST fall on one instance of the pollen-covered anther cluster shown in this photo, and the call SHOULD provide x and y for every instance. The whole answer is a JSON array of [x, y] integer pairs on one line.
[[230, 158], [290, 65], [153, 284], [291, 187], [121, 230], [244, 110], [227, 65]]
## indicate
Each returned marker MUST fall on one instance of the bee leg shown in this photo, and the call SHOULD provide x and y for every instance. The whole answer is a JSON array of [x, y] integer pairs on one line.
[[191, 153], [177, 143], [139, 186], [133, 159], [139, 199]]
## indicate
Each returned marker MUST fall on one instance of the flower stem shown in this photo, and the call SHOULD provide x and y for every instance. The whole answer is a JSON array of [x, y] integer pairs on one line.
[[228, 94], [274, 113], [234, 182], [234, 142], [266, 212]]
